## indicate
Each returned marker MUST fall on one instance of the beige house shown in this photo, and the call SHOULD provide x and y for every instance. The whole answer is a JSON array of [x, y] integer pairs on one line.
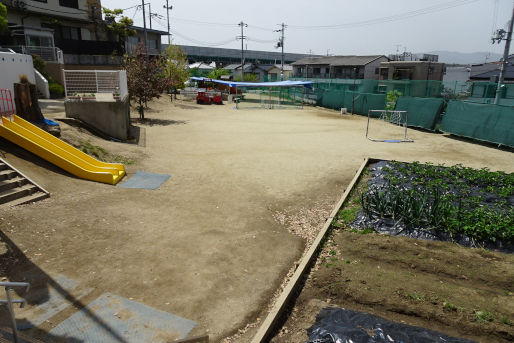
[[412, 70], [275, 70]]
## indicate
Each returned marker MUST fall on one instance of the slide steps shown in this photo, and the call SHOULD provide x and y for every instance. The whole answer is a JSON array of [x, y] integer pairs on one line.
[[16, 188]]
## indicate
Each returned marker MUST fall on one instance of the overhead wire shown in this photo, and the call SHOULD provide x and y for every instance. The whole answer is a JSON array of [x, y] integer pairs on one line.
[[196, 41], [391, 18]]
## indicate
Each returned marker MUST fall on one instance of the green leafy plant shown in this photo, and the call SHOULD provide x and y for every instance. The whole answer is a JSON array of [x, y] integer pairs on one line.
[[56, 90], [506, 321], [451, 199], [483, 316], [3, 18], [450, 307], [118, 24], [217, 73], [391, 98], [174, 65]]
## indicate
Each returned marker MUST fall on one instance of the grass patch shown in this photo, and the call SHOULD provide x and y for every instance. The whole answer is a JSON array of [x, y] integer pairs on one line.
[[450, 307], [103, 155], [506, 321], [483, 316]]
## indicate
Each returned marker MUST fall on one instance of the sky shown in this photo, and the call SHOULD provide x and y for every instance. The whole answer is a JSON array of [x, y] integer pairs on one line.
[[334, 27]]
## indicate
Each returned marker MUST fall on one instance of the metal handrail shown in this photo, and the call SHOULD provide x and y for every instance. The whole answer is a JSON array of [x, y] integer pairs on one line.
[[9, 301]]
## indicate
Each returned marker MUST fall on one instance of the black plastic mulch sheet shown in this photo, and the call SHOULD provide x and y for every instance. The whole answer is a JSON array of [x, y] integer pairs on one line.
[[337, 325]]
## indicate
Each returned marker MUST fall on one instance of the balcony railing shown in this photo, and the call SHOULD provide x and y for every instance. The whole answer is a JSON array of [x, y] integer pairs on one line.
[[49, 54]]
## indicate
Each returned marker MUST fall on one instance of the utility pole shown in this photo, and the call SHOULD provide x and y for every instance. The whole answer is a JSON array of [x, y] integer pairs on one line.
[[144, 27], [150, 14], [281, 44], [242, 37], [499, 37], [398, 51], [168, 9]]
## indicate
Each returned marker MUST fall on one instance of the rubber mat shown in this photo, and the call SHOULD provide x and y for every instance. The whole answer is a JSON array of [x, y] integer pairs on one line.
[[145, 180], [111, 318]]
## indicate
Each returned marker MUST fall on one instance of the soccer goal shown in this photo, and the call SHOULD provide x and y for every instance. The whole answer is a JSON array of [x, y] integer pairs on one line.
[[387, 126]]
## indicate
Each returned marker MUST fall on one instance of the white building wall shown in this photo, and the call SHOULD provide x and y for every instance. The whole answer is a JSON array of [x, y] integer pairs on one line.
[[12, 66]]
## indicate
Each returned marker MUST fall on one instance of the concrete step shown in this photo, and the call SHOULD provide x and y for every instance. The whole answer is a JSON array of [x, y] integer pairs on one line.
[[16, 181], [29, 198], [17, 193], [16, 188], [7, 174]]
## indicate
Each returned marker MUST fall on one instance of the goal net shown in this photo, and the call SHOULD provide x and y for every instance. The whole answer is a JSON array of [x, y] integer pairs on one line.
[[387, 126]]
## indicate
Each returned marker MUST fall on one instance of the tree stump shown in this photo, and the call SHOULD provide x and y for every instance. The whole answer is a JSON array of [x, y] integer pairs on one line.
[[27, 106]]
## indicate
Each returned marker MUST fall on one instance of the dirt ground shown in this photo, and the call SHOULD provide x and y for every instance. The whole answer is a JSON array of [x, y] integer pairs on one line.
[[215, 241], [442, 286]]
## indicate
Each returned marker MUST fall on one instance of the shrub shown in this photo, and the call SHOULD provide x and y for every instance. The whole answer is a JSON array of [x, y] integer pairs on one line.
[[56, 90]]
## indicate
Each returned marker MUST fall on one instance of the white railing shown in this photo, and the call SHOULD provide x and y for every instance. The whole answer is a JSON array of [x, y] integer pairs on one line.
[[84, 83], [42, 84], [47, 53]]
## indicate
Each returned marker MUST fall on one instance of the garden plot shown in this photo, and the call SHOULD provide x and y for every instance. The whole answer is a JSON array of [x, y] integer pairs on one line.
[[472, 207], [430, 282]]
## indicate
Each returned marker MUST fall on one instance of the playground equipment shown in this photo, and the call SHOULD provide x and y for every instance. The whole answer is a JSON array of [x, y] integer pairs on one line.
[[209, 97], [382, 130], [52, 149]]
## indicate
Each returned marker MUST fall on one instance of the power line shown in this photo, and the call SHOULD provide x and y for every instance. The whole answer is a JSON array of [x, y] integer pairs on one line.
[[250, 39], [203, 22], [395, 17], [178, 34]]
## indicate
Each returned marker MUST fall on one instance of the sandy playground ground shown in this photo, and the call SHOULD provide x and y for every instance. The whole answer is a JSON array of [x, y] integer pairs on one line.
[[215, 241]]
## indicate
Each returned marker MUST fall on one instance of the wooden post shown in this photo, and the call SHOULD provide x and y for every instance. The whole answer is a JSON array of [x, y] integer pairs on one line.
[[27, 106]]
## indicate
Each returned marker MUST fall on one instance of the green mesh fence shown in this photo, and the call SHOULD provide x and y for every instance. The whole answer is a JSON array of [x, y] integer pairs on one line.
[[422, 112], [358, 103], [491, 123], [270, 97]]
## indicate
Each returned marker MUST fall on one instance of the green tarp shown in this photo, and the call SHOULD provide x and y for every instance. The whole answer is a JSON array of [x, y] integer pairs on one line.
[[362, 102], [422, 112], [491, 123]]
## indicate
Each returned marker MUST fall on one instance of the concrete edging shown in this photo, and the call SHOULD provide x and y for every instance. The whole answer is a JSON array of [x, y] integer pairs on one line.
[[269, 324]]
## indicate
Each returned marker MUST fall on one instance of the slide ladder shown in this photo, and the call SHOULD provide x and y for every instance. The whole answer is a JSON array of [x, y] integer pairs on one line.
[[52, 149]]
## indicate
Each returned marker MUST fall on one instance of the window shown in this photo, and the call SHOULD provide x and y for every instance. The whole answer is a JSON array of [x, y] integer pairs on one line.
[[151, 44], [69, 32], [69, 3], [44, 41], [316, 71], [376, 70]]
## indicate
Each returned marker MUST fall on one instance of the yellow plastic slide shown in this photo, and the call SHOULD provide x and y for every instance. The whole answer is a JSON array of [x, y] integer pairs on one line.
[[63, 155]]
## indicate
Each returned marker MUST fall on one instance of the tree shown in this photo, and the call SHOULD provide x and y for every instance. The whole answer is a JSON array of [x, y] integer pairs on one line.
[[119, 24], [217, 73], [3, 16], [248, 78], [146, 78], [174, 65]]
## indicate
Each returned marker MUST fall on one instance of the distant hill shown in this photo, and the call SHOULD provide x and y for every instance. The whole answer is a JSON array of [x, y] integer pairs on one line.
[[456, 57]]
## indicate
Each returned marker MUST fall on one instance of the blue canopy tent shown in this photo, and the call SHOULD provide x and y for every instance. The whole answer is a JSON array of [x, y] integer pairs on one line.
[[269, 85], [287, 83]]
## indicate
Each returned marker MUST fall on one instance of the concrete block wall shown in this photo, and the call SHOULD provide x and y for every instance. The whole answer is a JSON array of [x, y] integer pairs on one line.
[[109, 117]]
